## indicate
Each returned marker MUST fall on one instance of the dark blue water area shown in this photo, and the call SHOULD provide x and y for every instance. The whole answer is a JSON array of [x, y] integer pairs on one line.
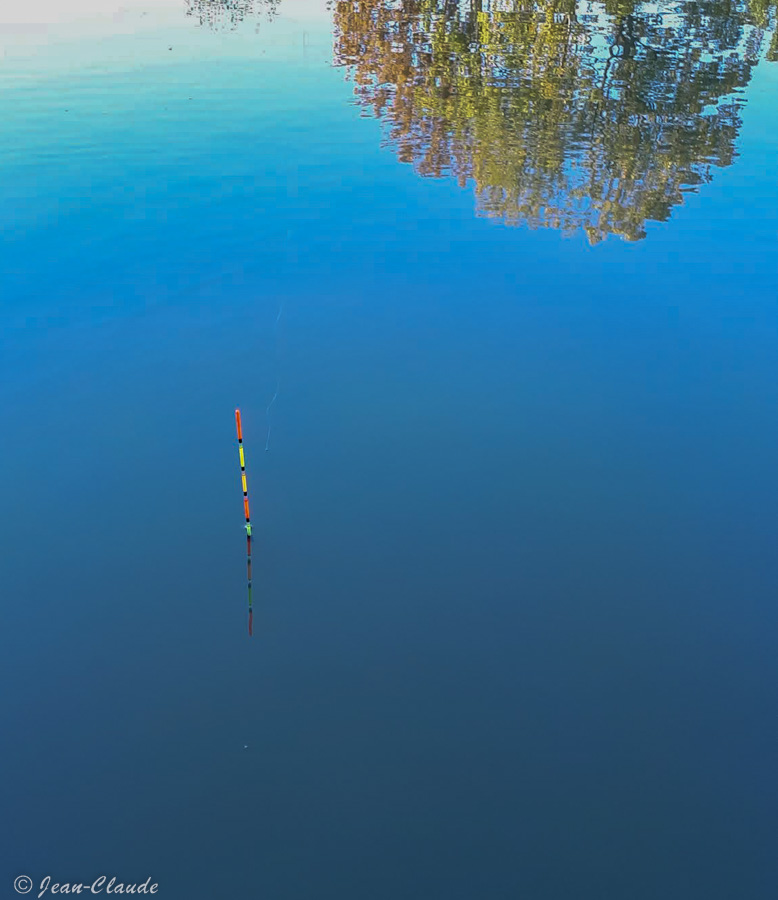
[[514, 560]]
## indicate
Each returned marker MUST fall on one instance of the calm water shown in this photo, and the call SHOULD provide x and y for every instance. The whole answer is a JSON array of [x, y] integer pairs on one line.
[[509, 270]]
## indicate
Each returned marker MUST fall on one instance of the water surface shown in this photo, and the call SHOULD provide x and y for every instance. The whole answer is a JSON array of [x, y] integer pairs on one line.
[[511, 270]]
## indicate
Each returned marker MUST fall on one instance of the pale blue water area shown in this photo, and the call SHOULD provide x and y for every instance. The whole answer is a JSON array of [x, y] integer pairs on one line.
[[515, 574]]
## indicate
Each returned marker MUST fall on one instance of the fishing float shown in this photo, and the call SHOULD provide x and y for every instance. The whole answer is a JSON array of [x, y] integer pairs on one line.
[[246, 512]]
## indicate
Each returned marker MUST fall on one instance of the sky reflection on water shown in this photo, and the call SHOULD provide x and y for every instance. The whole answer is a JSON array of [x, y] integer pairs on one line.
[[514, 571]]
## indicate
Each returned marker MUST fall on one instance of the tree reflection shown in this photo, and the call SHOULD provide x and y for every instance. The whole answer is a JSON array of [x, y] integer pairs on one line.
[[563, 114], [226, 15]]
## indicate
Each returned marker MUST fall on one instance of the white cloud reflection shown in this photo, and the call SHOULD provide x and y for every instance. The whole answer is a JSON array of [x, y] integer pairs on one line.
[[39, 37]]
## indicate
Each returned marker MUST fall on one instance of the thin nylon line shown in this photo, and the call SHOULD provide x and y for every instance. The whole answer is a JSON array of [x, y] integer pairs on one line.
[[267, 414], [278, 380]]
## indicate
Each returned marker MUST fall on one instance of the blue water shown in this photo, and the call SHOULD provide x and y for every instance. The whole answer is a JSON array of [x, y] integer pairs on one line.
[[514, 560]]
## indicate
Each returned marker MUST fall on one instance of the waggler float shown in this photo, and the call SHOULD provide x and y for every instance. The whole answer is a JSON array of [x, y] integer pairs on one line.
[[246, 511]]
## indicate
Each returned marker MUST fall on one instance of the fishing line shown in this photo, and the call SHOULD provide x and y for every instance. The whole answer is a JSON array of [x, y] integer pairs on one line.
[[267, 414], [278, 377]]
